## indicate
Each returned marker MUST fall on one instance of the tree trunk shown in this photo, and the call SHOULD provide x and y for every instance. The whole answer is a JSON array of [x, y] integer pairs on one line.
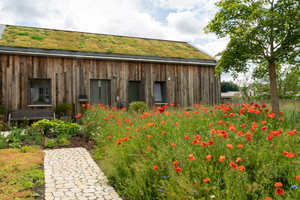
[[273, 87]]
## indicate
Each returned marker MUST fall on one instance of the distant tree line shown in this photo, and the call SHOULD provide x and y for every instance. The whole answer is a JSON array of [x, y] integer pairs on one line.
[[228, 86]]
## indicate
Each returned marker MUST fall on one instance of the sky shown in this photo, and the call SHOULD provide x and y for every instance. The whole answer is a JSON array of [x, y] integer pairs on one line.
[[180, 20]]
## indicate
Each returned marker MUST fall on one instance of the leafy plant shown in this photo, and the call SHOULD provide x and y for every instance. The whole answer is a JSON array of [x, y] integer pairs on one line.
[[37, 139], [49, 143], [15, 144], [2, 110], [45, 125], [1, 126], [110, 51], [63, 109], [64, 142], [137, 106], [24, 149], [67, 128]]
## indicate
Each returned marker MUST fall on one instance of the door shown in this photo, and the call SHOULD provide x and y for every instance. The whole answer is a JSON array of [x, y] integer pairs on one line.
[[100, 92]]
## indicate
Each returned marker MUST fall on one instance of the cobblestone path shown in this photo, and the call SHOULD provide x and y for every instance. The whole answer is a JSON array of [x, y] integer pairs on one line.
[[73, 174]]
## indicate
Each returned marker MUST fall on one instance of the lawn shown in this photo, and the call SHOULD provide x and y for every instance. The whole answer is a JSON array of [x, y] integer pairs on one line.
[[216, 152]]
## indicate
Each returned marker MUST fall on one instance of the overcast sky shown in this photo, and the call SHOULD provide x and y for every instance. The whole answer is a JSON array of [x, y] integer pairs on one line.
[[181, 20]]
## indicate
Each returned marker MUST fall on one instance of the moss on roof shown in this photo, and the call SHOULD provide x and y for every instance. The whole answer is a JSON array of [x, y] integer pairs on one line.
[[18, 36]]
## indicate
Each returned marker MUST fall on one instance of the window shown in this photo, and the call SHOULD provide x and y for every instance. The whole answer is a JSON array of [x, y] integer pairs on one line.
[[135, 91], [39, 92], [160, 92]]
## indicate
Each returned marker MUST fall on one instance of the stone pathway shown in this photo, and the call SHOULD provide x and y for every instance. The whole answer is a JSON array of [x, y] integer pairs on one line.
[[73, 174]]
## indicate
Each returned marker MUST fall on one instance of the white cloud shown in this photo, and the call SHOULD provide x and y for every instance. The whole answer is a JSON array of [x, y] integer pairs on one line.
[[183, 4], [214, 46]]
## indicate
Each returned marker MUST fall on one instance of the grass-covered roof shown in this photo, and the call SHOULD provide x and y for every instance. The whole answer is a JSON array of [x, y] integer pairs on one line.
[[19, 36]]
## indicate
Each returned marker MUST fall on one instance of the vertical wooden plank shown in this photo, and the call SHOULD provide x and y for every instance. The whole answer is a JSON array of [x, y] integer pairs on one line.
[[23, 84], [190, 80]]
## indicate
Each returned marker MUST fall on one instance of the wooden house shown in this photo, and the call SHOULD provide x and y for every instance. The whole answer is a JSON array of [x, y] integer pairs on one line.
[[40, 68]]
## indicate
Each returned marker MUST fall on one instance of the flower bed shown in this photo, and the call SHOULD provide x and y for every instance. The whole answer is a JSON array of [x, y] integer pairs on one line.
[[222, 152]]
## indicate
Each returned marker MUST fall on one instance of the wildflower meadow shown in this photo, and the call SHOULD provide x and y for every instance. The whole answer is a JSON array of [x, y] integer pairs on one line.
[[204, 152]]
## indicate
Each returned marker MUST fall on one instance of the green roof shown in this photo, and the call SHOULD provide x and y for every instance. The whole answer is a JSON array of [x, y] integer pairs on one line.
[[28, 37]]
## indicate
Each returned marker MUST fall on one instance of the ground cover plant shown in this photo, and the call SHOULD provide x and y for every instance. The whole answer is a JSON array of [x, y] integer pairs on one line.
[[222, 152], [20, 172]]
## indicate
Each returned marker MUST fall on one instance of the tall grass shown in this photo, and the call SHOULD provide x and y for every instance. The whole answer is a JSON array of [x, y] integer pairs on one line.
[[123, 142]]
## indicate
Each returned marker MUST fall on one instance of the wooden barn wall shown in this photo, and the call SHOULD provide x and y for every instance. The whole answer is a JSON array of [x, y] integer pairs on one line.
[[187, 85]]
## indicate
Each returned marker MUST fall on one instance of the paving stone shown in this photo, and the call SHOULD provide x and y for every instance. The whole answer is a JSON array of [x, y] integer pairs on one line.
[[73, 174]]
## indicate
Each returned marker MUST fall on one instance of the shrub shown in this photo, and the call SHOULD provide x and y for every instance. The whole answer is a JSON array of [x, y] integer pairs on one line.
[[43, 125], [64, 142], [63, 109], [49, 143], [137, 106], [1, 126], [2, 110]]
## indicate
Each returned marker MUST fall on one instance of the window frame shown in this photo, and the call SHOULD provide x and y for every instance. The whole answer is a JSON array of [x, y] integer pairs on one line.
[[45, 94]]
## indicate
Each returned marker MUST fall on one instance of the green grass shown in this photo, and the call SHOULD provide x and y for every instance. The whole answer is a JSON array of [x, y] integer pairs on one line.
[[20, 172], [123, 139], [19, 36]]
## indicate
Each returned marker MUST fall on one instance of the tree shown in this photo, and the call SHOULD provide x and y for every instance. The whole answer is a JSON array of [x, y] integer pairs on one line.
[[287, 82], [264, 32], [228, 86]]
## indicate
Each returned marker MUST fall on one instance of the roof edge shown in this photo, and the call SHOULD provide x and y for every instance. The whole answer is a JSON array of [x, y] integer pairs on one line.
[[203, 51], [102, 56]]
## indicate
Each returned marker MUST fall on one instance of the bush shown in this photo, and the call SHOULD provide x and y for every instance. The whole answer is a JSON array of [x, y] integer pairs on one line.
[[1, 126], [2, 110], [63, 109], [49, 142], [137, 106]]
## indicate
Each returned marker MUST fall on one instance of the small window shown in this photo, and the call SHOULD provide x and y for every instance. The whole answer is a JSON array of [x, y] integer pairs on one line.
[[135, 91], [160, 92], [39, 91]]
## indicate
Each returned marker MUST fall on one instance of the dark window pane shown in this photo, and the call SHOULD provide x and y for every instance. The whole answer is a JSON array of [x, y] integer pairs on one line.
[[135, 93], [158, 89], [160, 92]]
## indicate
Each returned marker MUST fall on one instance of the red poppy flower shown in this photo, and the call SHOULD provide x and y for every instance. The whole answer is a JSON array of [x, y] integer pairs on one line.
[[119, 142], [241, 168], [233, 165], [175, 163], [209, 157], [173, 144], [298, 177], [249, 139], [240, 146], [210, 124], [220, 122], [176, 123], [162, 122], [178, 169], [148, 148], [229, 146], [155, 167], [191, 157], [137, 130], [210, 143], [195, 141], [263, 128], [279, 191], [222, 158], [186, 137], [206, 180], [203, 144], [263, 122], [278, 184], [243, 126], [238, 160]]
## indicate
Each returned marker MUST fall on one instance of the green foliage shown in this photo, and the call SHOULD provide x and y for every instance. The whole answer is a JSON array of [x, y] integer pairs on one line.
[[110, 51], [2, 110], [1, 126], [63, 141], [32, 178], [24, 149], [36, 37], [23, 33], [37, 139], [44, 125], [63, 109], [228, 86], [2, 142], [138, 106], [49, 143], [122, 143]]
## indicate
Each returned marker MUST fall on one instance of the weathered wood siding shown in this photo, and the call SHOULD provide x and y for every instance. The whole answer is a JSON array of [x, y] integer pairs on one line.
[[186, 85]]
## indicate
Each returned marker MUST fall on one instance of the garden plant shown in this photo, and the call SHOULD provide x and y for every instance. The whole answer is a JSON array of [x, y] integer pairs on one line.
[[221, 151]]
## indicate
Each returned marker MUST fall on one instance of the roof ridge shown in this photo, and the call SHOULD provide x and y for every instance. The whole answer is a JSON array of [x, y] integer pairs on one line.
[[53, 29]]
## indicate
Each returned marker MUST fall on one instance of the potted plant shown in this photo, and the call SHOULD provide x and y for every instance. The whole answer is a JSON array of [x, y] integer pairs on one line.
[[64, 111], [31, 101]]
